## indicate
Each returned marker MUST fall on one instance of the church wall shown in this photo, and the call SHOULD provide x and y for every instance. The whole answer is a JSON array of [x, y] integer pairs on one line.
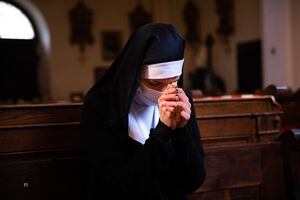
[[247, 22], [72, 72], [296, 43], [281, 31], [276, 36]]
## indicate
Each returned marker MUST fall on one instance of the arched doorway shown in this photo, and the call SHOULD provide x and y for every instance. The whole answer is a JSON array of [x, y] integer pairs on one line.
[[24, 53]]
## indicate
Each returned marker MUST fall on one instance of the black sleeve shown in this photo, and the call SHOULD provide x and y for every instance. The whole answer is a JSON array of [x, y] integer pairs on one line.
[[111, 164], [189, 162]]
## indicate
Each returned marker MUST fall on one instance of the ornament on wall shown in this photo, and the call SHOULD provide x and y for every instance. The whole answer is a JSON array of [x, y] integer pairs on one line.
[[111, 44], [81, 20], [139, 17], [191, 17], [225, 11]]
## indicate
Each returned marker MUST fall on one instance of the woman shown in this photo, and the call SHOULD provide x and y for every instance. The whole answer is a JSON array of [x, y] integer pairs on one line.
[[144, 141]]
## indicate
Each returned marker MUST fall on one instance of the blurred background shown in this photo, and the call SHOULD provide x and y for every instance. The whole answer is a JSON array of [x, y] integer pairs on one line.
[[52, 51], [238, 51]]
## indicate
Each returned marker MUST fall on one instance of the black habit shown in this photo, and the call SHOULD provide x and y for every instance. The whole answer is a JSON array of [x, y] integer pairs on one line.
[[171, 162]]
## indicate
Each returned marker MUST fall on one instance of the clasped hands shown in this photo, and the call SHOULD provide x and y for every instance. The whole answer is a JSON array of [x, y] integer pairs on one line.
[[171, 103]]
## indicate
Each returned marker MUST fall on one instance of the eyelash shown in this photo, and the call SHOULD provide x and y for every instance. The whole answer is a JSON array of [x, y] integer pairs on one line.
[[156, 83]]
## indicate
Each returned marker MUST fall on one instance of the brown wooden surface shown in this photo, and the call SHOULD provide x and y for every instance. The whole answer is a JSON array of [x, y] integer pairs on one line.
[[42, 151], [290, 102], [290, 137], [39, 114], [57, 175], [40, 127], [290, 141], [291, 109], [237, 120], [253, 171]]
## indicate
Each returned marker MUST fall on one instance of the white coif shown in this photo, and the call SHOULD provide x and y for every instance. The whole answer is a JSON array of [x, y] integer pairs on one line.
[[162, 70]]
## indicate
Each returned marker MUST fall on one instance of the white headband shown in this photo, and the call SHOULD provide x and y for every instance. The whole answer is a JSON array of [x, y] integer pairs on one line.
[[162, 70]]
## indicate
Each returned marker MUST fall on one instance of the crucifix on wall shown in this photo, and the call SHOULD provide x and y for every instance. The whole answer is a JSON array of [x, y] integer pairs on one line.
[[225, 11], [191, 17], [81, 20], [139, 17]]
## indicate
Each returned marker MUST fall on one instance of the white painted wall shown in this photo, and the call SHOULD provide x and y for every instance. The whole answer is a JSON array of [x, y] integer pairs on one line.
[[276, 32], [281, 20], [295, 41]]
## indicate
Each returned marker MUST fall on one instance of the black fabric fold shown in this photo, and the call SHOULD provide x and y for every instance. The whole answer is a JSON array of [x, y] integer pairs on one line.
[[171, 162], [153, 43]]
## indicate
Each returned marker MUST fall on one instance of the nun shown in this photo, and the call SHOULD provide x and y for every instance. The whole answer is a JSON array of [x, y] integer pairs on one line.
[[143, 138]]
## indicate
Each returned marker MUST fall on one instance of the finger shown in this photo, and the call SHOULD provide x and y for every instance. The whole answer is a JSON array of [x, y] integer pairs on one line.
[[162, 104], [170, 109], [168, 113], [165, 107], [184, 106], [183, 97], [168, 92], [170, 86], [181, 91], [171, 90], [169, 97], [186, 116], [174, 97]]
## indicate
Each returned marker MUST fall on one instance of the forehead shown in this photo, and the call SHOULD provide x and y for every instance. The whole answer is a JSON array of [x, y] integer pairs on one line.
[[165, 80]]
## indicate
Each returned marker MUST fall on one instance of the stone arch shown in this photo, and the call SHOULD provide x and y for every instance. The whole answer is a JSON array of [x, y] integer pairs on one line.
[[44, 44]]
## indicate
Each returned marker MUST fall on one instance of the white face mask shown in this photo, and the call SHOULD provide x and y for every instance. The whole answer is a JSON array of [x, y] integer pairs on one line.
[[147, 96]]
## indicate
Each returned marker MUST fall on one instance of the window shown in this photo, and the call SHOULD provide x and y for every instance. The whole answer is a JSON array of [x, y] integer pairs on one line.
[[19, 58], [14, 24]]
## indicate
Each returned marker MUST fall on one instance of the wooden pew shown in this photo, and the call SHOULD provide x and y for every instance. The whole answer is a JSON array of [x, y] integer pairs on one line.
[[290, 145], [237, 119], [291, 109], [290, 103], [243, 160], [289, 137], [42, 150]]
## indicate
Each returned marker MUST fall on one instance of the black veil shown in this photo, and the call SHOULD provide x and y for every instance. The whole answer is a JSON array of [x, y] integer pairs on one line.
[[112, 94]]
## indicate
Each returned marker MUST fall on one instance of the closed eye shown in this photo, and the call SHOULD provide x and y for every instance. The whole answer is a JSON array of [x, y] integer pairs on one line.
[[153, 83]]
